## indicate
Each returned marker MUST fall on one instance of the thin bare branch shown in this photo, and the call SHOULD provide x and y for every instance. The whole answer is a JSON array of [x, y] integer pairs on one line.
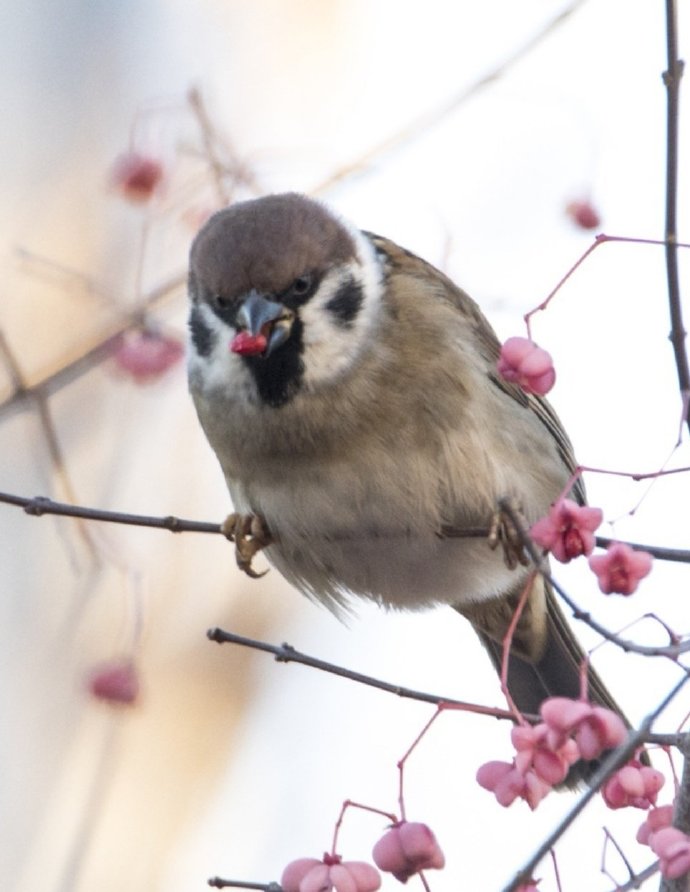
[[636, 881], [285, 653], [672, 78], [218, 883], [38, 506]]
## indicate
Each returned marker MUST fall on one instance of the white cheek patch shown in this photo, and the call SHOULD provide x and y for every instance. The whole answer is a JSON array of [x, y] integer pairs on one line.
[[331, 343], [221, 370]]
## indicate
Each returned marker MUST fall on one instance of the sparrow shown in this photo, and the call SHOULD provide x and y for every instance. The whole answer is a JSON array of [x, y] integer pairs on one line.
[[349, 391]]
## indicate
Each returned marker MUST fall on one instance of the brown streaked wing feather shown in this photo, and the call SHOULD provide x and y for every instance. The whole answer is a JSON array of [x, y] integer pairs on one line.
[[407, 263]]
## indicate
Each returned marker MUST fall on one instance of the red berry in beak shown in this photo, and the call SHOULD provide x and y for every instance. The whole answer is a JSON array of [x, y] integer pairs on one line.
[[247, 344]]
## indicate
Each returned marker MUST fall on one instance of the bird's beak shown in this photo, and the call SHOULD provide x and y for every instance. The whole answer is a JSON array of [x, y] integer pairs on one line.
[[262, 325]]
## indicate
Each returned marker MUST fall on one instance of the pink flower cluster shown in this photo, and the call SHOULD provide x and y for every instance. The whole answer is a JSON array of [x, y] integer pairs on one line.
[[523, 363], [567, 532], [570, 730], [405, 849], [670, 845]]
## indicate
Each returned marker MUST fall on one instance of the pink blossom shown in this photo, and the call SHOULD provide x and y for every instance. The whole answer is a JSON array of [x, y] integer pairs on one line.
[[529, 886], [331, 874], [406, 849], [137, 177], [634, 784], [508, 783], [567, 531], [656, 819], [146, 355], [527, 365], [583, 214], [115, 682], [672, 847], [621, 568], [594, 729]]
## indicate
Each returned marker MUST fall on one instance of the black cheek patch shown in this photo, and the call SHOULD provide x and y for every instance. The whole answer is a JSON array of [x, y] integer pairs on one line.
[[346, 303], [203, 338]]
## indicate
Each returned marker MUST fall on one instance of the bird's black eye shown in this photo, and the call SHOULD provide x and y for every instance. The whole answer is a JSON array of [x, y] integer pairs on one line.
[[220, 302], [301, 285]]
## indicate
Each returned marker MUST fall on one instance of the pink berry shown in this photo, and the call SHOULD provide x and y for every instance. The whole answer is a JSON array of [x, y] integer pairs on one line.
[[116, 682], [137, 177], [583, 214]]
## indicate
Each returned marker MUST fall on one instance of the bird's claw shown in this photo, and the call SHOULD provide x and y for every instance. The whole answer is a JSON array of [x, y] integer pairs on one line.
[[503, 532], [250, 534]]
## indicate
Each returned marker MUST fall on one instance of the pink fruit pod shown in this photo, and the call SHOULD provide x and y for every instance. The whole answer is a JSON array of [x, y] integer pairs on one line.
[[567, 531], [407, 848], [672, 847], [146, 355], [526, 365], [621, 568], [508, 783], [657, 818], [331, 874]]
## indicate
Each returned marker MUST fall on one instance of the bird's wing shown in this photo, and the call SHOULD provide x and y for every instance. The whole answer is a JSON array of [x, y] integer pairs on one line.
[[407, 263]]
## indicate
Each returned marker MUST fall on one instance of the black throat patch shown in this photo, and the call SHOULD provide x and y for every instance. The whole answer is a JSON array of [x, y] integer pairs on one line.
[[278, 376]]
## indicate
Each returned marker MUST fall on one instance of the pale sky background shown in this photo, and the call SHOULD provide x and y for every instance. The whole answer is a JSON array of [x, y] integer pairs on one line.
[[233, 764]]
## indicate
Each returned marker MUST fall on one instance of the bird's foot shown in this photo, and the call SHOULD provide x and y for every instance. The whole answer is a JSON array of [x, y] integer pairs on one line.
[[250, 534], [505, 534]]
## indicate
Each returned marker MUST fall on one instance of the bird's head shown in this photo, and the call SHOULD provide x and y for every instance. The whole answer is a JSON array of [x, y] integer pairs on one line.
[[283, 293]]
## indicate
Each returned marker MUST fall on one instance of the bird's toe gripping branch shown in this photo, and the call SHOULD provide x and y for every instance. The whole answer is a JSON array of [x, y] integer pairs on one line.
[[250, 535], [504, 533]]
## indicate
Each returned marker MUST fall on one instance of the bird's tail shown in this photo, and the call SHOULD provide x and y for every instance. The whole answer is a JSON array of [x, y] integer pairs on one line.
[[545, 659]]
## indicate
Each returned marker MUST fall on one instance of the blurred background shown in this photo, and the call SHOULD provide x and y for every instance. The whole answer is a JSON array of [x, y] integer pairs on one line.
[[461, 130]]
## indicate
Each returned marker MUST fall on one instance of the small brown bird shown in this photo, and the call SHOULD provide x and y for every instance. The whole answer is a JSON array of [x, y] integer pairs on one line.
[[349, 390]]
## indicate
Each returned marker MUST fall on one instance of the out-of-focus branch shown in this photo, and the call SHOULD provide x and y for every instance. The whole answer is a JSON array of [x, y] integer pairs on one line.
[[68, 370], [420, 125]]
